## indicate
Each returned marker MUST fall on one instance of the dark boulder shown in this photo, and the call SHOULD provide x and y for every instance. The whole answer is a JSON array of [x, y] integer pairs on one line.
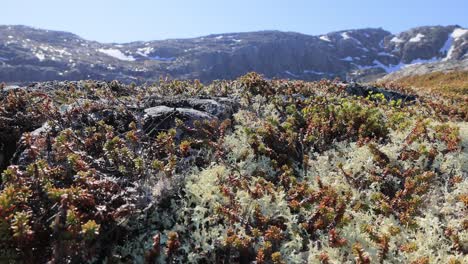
[[162, 113], [220, 107], [359, 90]]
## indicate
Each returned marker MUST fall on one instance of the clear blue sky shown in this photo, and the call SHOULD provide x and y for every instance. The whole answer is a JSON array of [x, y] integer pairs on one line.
[[130, 20]]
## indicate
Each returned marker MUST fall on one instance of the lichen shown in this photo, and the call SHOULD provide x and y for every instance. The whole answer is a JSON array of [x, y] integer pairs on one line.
[[302, 172]]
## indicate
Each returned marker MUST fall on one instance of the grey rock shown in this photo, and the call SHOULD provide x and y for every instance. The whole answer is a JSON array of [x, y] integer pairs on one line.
[[162, 113], [359, 90], [420, 69], [160, 118], [219, 107]]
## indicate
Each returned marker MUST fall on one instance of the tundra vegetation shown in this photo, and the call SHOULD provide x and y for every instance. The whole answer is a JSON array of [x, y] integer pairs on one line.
[[300, 172]]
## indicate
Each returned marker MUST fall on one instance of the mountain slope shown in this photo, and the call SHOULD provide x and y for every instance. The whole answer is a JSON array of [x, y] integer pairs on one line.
[[30, 54]]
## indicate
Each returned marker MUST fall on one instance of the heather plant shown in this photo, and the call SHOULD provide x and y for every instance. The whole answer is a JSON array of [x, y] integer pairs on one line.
[[302, 172]]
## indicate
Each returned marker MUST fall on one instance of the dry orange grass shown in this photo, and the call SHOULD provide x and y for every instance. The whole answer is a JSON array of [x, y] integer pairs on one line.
[[445, 92], [451, 84]]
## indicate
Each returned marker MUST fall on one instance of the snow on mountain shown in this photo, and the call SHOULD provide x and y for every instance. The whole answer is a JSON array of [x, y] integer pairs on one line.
[[40, 56], [292, 74], [314, 72], [449, 46], [345, 35], [325, 38], [397, 40], [117, 54], [384, 53], [390, 68], [158, 58], [145, 51], [417, 38], [459, 32]]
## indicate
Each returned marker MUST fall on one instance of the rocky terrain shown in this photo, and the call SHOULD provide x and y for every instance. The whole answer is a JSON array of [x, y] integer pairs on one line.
[[30, 54], [427, 68], [244, 171]]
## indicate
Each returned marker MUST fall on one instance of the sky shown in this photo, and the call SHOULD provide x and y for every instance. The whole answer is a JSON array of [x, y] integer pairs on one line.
[[133, 20]]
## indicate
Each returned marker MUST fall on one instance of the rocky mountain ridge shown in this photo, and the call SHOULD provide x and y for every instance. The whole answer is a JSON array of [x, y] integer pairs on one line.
[[30, 54]]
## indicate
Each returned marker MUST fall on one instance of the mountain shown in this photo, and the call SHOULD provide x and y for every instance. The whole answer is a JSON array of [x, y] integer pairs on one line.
[[30, 54]]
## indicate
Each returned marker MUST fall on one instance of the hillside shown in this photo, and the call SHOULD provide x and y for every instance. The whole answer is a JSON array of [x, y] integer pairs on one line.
[[449, 84], [244, 171], [30, 54]]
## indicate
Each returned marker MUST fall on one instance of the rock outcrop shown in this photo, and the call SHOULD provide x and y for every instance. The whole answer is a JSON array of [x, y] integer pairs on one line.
[[162, 113], [364, 91]]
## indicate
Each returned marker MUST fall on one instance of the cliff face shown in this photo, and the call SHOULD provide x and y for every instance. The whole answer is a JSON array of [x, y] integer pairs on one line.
[[29, 54]]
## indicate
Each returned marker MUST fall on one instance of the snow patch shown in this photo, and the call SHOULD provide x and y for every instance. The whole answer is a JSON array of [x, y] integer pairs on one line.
[[292, 74], [116, 54], [345, 35], [459, 32], [389, 68], [417, 38], [419, 61], [157, 58], [448, 45], [397, 40], [382, 53], [40, 56], [349, 58], [144, 51], [314, 72], [45, 48], [325, 38], [61, 52], [381, 44], [395, 67]]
